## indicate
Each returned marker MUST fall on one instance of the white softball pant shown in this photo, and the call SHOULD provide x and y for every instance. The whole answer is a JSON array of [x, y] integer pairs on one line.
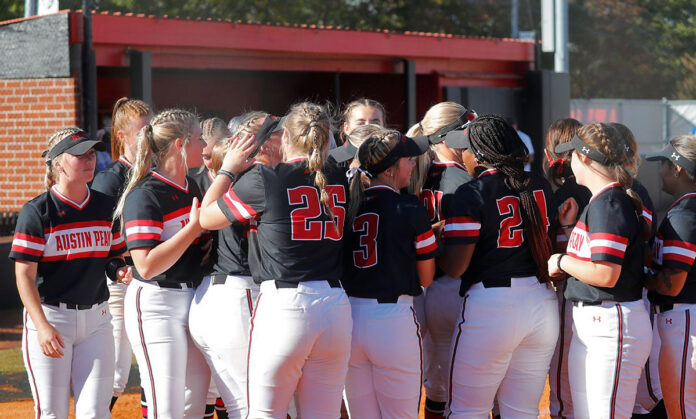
[[173, 372], [384, 377], [504, 342], [123, 352], [299, 340], [610, 345], [560, 400], [442, 309], [677, 329], [219, 323], [86, 367], [649, 388]]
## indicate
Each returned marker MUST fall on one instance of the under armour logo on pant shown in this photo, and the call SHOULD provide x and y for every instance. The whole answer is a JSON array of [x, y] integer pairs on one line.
[[668, 321], [597, 318], [104, 312]]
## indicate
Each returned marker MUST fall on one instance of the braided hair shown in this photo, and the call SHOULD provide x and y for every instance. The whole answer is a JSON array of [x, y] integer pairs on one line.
[[496, 143]]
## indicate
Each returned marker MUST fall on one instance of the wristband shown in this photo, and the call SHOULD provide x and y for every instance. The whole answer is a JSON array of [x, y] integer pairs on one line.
[[230, 175], [568, 226], [558, 263], [112, 267]]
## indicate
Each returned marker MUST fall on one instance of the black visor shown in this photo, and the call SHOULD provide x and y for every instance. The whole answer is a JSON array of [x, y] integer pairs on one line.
[[406, 147], [582, 147], [455, 134], [344, 153], [76, 144], [270, 125], [670, 153]]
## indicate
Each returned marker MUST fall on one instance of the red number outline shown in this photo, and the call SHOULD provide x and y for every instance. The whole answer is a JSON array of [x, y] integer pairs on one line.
[[368, 225]]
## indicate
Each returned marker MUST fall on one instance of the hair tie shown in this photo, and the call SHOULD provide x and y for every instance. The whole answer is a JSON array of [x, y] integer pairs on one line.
[[151, 139], [421, 127], [353, 170]]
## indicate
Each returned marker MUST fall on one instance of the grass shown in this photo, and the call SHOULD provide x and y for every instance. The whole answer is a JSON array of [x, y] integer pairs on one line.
[[11, 361]]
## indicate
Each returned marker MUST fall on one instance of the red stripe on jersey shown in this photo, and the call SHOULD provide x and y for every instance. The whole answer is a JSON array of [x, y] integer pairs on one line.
[[610, 237], [576, 256], [26, 250], [672, 256], [80, 224], [461, 233], [425, 236], [143, 236], [427, 249], [144, 223], [607, 251], [236, 205], [581, 226], [170, 182], [80, 255], [69, 201], [33, 239], [679, 243], [177, 213]]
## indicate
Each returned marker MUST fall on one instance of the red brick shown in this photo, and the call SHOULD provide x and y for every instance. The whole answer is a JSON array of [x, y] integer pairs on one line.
[[30, 99], [38, 91], [13, 99], [30, 83], [13, 83], [46, 82], [22, 91]]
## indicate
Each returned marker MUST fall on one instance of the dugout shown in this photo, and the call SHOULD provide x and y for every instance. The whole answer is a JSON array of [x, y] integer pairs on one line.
[[223, 68]]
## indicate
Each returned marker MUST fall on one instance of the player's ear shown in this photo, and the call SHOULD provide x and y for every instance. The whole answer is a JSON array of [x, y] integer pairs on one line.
[[178, 144]]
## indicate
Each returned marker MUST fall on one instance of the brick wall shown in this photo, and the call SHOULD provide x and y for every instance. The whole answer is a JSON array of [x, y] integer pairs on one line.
[[30, 111]]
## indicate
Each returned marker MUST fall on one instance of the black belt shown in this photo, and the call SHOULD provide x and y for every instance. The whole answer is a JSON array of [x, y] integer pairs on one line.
[[72, 306], [333, 283], [175, 285], [387, 300], [219, 279], [665, 307], [588, 303]]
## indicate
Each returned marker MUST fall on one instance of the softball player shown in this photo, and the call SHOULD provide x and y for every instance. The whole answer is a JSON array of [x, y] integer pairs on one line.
[[389, 256], [62, 242], [159, 208], [560, 174], [357, 113], [213, 132], [129, 116], [229, 292], [674, 251], [442, 303], [301, 326], [496, 235], [611, 327]]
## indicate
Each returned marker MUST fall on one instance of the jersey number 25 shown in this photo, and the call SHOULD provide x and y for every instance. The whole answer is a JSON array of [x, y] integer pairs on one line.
[[510, 233], [303, 225]]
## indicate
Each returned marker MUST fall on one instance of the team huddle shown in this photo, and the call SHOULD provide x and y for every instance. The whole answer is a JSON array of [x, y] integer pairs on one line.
[[266, 268]]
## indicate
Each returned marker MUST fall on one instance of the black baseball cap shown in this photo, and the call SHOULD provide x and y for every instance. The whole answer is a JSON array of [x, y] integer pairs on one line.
[[344, 153], [670, 153], [270, 125], [582, 147], [77, 144]]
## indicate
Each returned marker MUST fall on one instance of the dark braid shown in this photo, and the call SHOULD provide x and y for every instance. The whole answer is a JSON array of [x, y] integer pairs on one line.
[[496, 143]]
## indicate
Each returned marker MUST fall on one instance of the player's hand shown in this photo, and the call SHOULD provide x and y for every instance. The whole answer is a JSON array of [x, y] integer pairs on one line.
[[124, 274], [439, 229], [237, 158], [195, 214], [50, 341], [554, 272], [568, 212]]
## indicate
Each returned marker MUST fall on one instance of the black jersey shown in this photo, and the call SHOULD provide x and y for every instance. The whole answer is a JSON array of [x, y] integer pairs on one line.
[[202, 177], [155, 210], [675, 246], [648, 207], [486, 212], [608, 230], [71, 243], [569, 189], [443, 180], [293, 239], [390, 233], [112, 180]]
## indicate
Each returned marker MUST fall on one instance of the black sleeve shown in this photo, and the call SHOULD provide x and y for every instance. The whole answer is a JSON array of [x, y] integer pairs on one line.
[[143, 219], [108, 183], [610, 226], [246, 198], [463, 222], [29, 241], [677, 240], [424, 241]]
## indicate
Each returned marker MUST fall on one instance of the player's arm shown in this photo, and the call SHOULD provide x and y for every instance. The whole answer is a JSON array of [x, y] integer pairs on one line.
[[426, 271], [668, 281], [152, 261], [235, 162], [49, 338], [455, 259], [598, 273]]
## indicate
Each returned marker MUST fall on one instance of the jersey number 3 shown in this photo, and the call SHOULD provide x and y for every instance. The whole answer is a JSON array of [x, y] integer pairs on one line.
[[303, 225], [366, 225], [510, 233]]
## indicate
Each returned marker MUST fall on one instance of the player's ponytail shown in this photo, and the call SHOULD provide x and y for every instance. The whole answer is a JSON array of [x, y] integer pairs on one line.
[[125, 109], [561, 131], [309, 129], [373, 149], [607, 139], [154, 141], [51, 177], [496, 143]]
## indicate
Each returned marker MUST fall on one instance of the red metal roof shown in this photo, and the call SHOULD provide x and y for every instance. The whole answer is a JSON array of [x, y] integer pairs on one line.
[[217, 44]]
